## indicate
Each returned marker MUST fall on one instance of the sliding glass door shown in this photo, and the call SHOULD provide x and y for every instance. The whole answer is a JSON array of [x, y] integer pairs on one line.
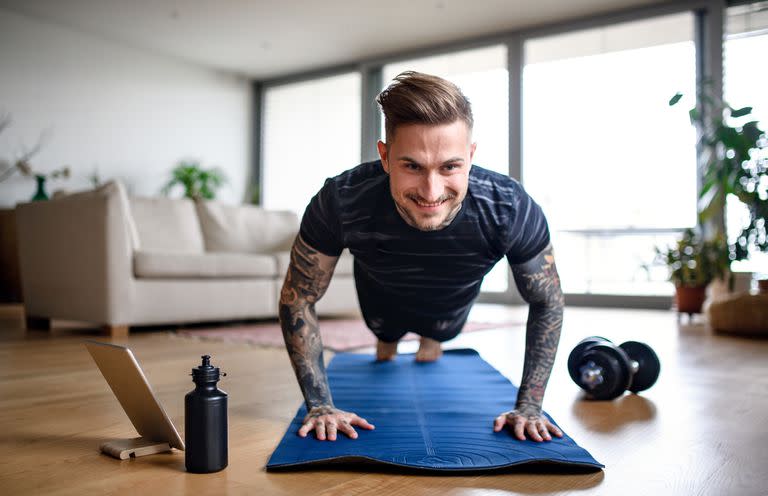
[[311, 132], [613, 166]]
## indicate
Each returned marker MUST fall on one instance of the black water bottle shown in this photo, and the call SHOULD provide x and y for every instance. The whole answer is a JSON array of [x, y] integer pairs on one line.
[[205, 421]]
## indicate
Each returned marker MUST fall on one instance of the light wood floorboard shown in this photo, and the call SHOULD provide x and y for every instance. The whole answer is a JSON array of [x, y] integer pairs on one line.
[[702, 430]]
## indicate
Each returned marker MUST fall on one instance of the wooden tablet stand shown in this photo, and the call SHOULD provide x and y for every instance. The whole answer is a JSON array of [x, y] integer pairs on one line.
[[127, 448]]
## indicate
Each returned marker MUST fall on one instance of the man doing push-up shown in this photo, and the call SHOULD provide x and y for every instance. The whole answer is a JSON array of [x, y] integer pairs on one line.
[[424, 226]]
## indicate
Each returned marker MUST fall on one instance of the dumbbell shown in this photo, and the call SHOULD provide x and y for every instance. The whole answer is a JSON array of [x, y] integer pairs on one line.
[[605, 370]]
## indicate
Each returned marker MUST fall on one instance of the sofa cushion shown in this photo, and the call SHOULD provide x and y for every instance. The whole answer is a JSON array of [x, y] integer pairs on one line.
[[343, 266], [245, 228], [202, 265], [167, 225]]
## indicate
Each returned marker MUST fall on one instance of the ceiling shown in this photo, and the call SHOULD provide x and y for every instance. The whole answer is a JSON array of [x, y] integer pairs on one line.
[[269, 38]]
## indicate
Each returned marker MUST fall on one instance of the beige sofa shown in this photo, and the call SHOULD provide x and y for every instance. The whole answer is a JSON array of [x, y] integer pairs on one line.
[[114, 260]]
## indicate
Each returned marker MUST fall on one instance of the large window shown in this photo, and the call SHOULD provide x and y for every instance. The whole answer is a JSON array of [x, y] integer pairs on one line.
[[311, 132], [613, 166], [482, 76], [746, 49], [610, 162]]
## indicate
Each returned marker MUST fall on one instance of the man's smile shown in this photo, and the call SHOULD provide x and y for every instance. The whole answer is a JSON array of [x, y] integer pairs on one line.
[[423, 204]]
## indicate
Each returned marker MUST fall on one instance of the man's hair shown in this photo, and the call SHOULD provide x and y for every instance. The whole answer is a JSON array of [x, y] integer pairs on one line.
[[417, 98]]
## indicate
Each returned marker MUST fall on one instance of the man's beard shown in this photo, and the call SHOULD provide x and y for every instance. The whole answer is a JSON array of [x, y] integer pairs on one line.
[[412, 220]]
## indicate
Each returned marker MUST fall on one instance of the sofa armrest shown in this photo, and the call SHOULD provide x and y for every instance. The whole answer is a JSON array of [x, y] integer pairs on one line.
[[75, 256]]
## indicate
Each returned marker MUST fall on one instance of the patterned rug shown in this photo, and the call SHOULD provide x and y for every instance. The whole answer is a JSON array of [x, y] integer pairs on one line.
[[337, 334]]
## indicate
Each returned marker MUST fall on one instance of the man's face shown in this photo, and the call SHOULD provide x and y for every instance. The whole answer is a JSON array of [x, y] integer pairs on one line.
[[428, 169]]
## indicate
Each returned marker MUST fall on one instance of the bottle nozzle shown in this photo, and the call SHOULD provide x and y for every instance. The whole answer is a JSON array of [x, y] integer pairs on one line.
[[205, 372]]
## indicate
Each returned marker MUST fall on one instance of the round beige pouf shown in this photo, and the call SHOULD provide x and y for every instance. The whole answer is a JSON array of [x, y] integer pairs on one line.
[[740, 314]]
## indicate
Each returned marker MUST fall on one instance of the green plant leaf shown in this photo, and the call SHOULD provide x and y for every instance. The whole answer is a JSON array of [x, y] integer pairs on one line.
[[675, 99], [752, 133], [706, 187], [741, 112], [694, 115]]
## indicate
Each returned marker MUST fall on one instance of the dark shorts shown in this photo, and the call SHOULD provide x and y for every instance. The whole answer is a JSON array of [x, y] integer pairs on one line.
[[389, 319], [392, 326]]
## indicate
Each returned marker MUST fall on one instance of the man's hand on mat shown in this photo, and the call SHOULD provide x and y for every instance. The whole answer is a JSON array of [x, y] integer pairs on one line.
[[327, 420], [534, 423]]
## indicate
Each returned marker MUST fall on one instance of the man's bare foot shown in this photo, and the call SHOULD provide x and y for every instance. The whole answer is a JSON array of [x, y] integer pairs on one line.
[[429, 350], [386, 352]]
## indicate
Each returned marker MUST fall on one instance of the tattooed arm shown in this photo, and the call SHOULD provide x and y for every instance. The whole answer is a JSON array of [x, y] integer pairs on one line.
[[539, 285], [309, 274]]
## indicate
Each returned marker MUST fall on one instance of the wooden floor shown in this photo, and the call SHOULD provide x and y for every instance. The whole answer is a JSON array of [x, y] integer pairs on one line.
[[703, 429]]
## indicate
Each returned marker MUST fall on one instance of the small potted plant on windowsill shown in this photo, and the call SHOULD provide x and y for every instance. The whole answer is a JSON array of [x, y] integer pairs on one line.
[[693, 263]]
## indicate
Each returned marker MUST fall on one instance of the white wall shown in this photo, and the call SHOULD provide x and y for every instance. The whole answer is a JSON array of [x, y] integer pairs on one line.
[[129, 113]]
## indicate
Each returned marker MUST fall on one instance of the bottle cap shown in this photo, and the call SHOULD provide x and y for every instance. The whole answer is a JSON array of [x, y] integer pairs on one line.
[[205, 372]]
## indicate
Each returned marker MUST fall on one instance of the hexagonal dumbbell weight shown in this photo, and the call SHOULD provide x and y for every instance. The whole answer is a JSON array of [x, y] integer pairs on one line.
[[605, 370]]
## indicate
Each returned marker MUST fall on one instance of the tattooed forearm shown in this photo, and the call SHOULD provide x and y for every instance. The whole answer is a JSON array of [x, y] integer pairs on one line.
[[309, 274], [539, 285]]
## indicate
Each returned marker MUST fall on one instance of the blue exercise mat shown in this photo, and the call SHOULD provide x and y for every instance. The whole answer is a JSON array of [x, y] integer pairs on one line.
[[428, 416]]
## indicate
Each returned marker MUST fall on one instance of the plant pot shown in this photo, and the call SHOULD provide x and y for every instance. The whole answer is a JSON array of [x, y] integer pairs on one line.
[[690, 299]]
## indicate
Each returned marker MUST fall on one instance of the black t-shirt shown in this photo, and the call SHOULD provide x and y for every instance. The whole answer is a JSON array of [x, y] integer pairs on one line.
[[424, 274]]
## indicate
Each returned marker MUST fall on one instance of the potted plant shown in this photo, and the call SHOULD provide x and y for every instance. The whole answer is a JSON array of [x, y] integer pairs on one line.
[[734, 160], [198, 183], [693, 263]]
